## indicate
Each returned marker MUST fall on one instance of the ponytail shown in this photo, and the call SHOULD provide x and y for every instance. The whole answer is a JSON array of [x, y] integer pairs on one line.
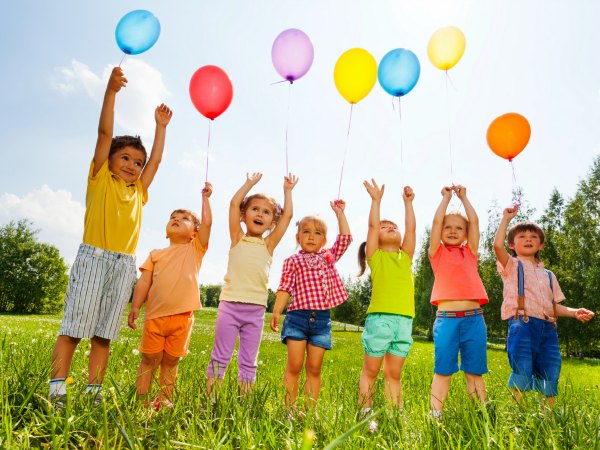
[[362, 258]]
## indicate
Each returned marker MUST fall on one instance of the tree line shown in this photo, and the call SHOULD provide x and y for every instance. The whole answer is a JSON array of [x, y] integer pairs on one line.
[[33, 275]]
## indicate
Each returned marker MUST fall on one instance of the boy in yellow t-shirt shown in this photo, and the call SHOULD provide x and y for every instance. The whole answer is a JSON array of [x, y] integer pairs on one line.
[[169, 282], [103, 274]]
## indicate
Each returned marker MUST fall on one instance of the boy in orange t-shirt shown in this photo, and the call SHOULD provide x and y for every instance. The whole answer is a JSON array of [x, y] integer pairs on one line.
[[169, 286]]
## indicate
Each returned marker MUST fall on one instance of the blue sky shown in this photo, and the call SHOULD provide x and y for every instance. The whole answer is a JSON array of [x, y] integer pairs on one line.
[[538, 58]]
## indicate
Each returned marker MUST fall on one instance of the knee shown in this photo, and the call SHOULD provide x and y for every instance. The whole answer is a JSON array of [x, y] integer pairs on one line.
[[392, 373], [169, 360], [294, 367], [313, 370], [97, 341], [152, 359]]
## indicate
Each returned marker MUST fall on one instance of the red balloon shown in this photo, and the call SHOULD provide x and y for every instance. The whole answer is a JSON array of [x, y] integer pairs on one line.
[[211, 91]]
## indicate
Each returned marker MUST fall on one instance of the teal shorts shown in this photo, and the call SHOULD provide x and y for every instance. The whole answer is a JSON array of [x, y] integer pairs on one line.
[[387, 333]]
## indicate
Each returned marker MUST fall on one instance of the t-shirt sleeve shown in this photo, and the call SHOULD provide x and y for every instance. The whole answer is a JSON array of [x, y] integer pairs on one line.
[[504, 271], [101, 172], [342, 242], [435, 259], [199, 248], [288, 277], [558, 293], [148, 264]]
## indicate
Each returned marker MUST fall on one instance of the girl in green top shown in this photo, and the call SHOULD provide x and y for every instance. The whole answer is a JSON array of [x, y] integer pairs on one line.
[[388, 328]]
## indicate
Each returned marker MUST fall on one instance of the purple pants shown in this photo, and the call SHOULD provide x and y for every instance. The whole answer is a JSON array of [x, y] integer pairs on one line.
[[233, 318]]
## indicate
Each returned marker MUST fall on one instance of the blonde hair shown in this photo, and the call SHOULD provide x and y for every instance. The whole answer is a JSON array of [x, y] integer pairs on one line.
[[192, 214], [457, 213], [320, 224]]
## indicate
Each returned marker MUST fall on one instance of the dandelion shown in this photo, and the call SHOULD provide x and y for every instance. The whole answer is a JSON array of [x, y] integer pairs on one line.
[[69, 380], [260, 363], [135, 351], [372, 426], [33, 341], [87, 353]]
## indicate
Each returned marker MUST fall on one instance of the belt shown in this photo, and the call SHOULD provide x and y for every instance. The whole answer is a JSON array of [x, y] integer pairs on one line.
[[458, 314]]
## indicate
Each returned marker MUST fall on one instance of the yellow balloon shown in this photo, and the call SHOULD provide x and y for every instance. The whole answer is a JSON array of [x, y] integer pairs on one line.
[[446, 47], [355, 74]]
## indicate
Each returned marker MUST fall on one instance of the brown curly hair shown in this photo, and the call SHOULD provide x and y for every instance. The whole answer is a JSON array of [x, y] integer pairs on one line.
[[119, 142]]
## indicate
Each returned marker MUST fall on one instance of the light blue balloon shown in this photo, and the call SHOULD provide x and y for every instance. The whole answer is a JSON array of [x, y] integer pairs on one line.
[[398, 72], [137, 31]]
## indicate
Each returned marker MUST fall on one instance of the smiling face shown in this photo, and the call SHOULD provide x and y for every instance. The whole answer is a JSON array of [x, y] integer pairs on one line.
[[127, 163], [258, 216], [311, 235], [454, 230], [526, 243]]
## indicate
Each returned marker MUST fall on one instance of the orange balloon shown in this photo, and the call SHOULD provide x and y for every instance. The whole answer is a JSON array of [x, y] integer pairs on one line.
[[508, 135]]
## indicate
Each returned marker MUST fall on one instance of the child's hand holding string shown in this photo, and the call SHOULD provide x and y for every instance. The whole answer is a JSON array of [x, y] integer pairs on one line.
[[289, 182], [408, 194]]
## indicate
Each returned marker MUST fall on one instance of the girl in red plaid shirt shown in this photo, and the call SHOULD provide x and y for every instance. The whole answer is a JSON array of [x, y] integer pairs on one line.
[[310, 277]]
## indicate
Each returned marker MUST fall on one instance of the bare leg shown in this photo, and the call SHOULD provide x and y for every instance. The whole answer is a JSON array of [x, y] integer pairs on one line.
[[476, 387], [314, 363], [439, 391], [392, 370], [146, 371], [210, 383], [98, 359], [368, 377], [62, 356], [296, 351], [168, 375]]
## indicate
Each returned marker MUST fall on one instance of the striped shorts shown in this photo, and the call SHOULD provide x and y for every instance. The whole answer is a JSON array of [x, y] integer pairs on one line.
[[100, 285]]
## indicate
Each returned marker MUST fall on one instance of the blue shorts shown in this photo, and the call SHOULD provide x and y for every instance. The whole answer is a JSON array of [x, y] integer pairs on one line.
[[533, 355], [467, 335], [387, 333], [313, 326]]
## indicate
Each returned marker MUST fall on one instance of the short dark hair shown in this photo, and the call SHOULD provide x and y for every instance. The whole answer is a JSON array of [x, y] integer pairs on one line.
[[119, 142], [525, 226]]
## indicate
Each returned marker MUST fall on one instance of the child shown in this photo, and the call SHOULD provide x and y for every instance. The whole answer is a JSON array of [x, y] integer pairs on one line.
[[311, 278], [388, 328], [458, 293], [170, 283], [243, 299], [531, 306], [103, 274]]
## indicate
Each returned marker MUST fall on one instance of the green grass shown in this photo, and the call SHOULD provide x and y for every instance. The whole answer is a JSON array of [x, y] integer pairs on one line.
[[260, 421]]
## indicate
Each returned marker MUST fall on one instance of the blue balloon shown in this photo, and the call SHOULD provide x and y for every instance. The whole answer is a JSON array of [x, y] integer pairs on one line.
[[137, 31], [398, 72]]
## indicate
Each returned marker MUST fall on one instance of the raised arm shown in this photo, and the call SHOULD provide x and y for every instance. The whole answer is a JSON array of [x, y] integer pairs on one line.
[[499, 241], [235, 215], [162, 116], [410, 223], [206, 224], [473, 229], [435, 237], [286, 215], [338, 207], [374, 216], [107, 116]]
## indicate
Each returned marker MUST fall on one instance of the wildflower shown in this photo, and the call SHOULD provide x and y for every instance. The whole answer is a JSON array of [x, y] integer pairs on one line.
[[87, 353], [372, 426], [260, 363], [69, 380], [33, 341], [135, 351]]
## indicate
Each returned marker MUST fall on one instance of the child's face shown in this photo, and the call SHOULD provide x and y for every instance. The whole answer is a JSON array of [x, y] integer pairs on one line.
[[454, 230], [526, 243], [258, 217], [389, 234], [310, 237], [180, 228], [127, 163]]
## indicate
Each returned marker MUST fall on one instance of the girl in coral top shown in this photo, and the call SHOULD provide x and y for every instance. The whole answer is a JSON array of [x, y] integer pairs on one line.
[[458, 292]]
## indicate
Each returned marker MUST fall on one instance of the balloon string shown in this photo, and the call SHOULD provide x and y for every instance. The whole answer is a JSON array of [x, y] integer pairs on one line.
[[207, 147], [401, 141], [345, 151], [516, 192], [287, 124], [279, 82], [121, 62], [449, 132]]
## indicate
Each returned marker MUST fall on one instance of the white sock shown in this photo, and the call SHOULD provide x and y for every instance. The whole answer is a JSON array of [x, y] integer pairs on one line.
[[58, 386], [93, 389]]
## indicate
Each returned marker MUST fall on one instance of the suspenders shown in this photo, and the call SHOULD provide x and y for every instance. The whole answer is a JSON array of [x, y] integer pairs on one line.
[[521, 293]]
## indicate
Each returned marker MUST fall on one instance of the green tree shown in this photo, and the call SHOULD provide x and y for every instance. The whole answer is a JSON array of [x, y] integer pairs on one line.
[[353, 310], [210, 295], [33, 275], [424, 310]]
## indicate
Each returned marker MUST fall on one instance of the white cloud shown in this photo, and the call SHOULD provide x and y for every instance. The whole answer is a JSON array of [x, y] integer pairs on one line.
[[195, 158], [58, 217], [134, 112]]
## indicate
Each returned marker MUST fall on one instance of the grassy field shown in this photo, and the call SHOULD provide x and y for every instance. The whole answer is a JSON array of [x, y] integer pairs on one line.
[[260, 421]]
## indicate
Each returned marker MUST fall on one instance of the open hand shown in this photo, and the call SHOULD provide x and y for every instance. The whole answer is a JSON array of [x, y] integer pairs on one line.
[[162, 115], [374, 191]]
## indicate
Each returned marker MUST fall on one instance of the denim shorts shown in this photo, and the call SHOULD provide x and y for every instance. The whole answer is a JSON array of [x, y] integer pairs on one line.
[[313, 326], [387, 333], [467, 335], [533, 355]]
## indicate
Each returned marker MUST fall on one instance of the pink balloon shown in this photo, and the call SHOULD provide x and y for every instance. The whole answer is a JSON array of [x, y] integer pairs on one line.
[[211, 91], [292, 54]]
